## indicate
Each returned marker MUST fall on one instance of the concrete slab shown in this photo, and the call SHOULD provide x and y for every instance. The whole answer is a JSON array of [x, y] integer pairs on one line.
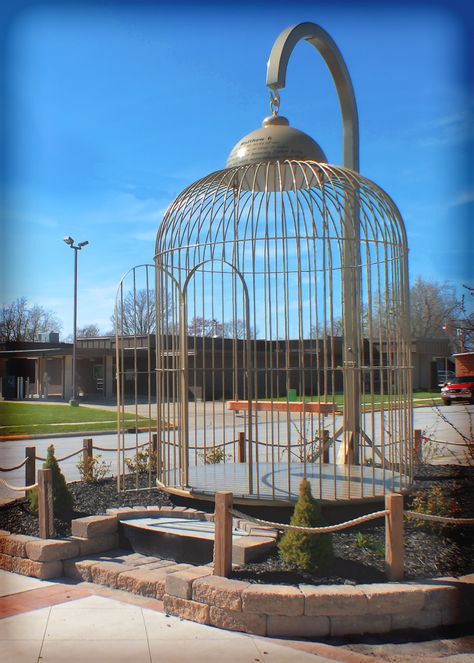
[[13, 583], [96, 628]]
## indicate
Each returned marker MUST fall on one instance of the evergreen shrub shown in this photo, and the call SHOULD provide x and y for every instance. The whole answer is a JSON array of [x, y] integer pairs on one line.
[[304, 550], [62, 497]]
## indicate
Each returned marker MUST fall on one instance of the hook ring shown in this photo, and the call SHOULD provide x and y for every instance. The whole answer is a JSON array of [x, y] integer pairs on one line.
[[274, 102]]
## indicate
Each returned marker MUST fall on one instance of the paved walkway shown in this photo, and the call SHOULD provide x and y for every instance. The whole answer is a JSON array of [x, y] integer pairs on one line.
[[53, 622], [56, 622]]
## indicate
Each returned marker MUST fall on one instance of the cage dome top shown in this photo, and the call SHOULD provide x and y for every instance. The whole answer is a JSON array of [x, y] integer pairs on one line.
[[274, 141]]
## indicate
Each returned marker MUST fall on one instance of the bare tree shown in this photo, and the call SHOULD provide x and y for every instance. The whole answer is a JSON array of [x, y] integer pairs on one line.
[[89, 331], [238, 329], [334, 328], [18, 322], [434, 312], [465, 328], [205, 327], [136, 313], [433, 309]]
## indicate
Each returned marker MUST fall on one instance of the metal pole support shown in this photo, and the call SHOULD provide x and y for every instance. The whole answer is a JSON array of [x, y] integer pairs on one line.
[[241, 448], [223, 534], [30, 466], [45, 504], [394, 543], [154, 442]]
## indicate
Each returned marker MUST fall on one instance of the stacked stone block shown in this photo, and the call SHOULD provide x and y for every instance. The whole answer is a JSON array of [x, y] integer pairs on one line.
[[318, 611]]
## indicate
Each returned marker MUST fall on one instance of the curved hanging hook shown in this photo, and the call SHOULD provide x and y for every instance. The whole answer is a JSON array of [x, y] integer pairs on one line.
[[319, 38]]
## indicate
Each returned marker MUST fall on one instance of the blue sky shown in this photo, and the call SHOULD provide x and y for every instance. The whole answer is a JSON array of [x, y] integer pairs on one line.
[[113, 108]]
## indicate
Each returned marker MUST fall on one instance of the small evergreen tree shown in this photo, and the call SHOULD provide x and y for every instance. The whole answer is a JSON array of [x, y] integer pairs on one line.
[[62, 497], [305, 550]]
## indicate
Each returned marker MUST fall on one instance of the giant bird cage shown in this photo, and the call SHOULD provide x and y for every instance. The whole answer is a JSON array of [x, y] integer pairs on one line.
[[282, 335], [251, 363]]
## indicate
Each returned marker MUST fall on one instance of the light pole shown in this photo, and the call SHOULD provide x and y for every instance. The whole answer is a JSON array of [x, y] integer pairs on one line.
[[70, 242]]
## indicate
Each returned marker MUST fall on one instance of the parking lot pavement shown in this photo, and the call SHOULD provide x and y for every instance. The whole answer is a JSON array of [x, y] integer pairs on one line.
[[447, 428]]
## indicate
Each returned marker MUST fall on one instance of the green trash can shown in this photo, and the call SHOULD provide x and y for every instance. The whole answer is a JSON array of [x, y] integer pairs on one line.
[[292, 395]]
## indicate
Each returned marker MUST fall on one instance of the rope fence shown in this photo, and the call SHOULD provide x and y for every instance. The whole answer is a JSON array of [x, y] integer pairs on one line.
[[60, 460], [31, 457], [424, 438], [79, 451], [393, 513], [137, 446], [22, 489], [44, 487], [17, 467], [439, 519], [312, 530], [351, 523], [194, 447], [394, 535]]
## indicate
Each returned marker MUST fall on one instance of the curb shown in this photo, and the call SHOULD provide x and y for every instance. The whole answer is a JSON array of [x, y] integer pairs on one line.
[[46, 436]]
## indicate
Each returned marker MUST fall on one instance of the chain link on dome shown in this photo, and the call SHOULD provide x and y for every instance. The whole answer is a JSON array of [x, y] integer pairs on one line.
[[274, 102]]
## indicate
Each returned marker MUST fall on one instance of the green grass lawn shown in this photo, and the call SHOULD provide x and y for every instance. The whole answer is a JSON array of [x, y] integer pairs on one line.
[[41, 418], [45, 418]]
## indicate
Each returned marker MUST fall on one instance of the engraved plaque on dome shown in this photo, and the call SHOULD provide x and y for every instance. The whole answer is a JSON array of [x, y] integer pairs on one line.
[[275, 141]]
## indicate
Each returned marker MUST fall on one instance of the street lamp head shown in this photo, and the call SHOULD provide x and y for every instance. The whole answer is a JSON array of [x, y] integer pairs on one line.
[[69, 241], [82, 244]]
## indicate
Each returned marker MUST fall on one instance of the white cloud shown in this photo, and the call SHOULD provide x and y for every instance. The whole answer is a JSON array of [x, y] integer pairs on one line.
[[463, 198], [125, 208], [452, 129]]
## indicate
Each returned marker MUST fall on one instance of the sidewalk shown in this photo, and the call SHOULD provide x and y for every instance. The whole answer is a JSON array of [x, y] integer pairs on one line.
[[53, 622]]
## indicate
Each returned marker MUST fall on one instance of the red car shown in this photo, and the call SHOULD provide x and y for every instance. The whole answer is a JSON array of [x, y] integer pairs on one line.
[[458, 389]]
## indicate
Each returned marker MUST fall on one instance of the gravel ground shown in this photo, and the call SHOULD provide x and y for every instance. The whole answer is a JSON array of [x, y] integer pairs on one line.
[[89, 499], [429, 550]]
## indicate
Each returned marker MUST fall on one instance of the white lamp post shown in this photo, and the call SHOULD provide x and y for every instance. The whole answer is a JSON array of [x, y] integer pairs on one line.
[[70, 242]]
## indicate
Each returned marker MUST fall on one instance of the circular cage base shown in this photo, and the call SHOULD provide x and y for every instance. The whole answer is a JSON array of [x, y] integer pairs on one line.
[[278, 483]]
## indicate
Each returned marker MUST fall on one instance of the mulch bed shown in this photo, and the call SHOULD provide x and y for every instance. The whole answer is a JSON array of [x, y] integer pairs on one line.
[[430, 550]]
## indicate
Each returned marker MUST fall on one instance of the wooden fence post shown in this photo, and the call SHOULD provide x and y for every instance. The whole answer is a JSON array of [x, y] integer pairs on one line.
[[325, 450], [241, 448], [45, 504], [417, 443], [86, 451], [223, 534], [394, 542], [30, 466]]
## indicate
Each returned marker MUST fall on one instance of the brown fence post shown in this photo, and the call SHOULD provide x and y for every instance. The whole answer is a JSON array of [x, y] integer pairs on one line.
[[86, 451], [223, 534], [241, 448], [30, 466], [417, 443], [45, 504], [394, 543], [325, 450]]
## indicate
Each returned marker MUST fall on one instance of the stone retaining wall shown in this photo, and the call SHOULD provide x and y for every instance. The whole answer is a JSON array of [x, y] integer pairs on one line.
[[191, 592], [44, 558], [318, 611]]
